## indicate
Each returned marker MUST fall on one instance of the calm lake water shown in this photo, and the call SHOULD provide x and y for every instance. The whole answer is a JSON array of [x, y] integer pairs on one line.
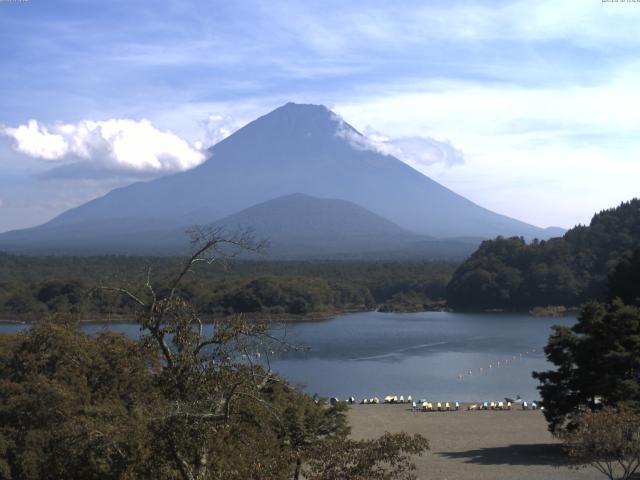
[[434, 355]]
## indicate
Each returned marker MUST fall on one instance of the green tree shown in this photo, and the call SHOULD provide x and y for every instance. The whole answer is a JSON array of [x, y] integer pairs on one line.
[[624, 282], [569, 271], [74, 406], [304, 423], [608, 440], [597, 361], [189, 400], [221, 401], [384, 458]]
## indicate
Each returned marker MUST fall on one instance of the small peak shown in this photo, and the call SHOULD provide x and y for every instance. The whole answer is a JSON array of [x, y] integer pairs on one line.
[[299, 126], [310, 106], [300, 112], [297, 196], [303, 108], [298, 120]]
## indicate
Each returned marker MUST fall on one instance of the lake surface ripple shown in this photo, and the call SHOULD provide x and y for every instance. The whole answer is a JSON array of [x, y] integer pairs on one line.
[[440, 356]]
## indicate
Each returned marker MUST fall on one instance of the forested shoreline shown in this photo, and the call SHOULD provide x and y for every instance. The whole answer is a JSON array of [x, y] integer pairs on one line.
[[181, 402], [503, 274], [32, 287]]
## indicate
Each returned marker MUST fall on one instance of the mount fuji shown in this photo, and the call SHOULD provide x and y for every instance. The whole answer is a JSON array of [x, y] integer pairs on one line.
[[296, 149]]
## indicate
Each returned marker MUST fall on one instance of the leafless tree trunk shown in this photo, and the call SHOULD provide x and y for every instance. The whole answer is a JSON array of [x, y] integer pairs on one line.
[[204, 373]]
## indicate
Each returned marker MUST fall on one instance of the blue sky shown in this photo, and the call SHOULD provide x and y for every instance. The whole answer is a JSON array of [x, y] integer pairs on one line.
[[538, 101]]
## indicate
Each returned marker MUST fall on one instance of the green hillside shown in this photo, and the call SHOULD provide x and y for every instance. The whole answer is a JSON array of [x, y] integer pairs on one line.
[[513, 274]]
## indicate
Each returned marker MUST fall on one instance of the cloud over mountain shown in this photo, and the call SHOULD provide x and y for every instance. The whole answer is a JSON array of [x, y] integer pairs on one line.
[[418, 150], [121, 145], [414, 150], [217, 128]]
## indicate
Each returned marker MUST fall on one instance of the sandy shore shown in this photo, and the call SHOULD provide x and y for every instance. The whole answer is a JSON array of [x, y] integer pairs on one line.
[[474, 445]]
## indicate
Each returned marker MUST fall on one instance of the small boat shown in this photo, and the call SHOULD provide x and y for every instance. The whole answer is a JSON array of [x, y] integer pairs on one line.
[[514, 401]]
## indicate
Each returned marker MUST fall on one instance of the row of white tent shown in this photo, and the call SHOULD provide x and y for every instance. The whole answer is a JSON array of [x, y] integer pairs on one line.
[[491, 406], [427, 406], [387, 399], [439, 406], [504, 406]]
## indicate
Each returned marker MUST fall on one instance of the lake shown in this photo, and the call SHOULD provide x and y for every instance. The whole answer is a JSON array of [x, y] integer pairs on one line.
[[436, 355]]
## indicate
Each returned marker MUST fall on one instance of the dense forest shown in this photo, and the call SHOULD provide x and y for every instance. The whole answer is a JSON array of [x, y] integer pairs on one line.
[[598, 357], [505, 273], [179, 403], [570, 270], [34, 286]]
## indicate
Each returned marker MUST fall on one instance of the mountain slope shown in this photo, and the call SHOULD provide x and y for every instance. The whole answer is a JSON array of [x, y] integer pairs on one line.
[[295, 148], [127, 235], [296, 226]]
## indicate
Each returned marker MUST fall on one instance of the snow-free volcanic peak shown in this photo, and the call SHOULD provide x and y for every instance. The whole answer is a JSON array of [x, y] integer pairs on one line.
[[294, 149]]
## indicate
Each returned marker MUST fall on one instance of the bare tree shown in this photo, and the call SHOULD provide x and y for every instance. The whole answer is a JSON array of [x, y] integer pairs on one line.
[[208, 369], [608, 440], [215, 383]]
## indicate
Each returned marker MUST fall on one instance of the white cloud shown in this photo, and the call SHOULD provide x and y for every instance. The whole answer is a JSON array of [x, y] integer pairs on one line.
[[217, 128], [415, 150], [549, 156], [346, 131], [117, 144], [35, 140]]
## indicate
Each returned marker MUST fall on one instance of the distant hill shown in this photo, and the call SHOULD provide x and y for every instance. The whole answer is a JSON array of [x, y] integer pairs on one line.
[[301, 226], [294, 149], [569, 270], [297, 226]]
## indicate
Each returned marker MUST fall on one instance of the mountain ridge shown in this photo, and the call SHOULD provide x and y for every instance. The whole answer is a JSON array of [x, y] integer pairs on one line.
[[295, 148], [297, 226]]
